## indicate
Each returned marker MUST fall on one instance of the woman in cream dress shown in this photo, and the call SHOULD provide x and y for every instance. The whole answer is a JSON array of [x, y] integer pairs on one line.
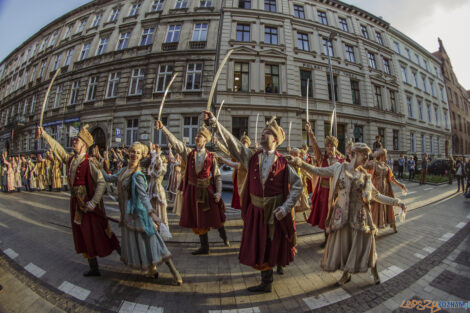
[[142, 246], [351, 242], [156, 192]]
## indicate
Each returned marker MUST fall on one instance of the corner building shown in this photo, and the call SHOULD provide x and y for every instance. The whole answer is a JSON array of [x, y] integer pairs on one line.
[[116, 57]]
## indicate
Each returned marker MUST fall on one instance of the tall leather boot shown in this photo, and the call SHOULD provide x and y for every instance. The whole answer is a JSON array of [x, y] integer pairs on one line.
[[94, 269], [375, 274], [204, 249], [176, 275], [266, 282], [223, 235], [323, 245]]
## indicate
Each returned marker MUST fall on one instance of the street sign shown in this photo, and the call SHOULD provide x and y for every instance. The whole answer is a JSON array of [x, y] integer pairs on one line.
[[117, 135], [73, 131]]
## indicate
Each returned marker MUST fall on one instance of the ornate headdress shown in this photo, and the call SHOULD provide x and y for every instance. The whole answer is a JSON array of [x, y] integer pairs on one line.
[[245, 138], [331, 140], [85, 135], [360, 147], [277, 130], [203, 131]]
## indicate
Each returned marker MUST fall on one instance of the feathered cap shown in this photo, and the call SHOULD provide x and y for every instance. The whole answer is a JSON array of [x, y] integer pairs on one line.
[[203, 131], [277, 130], [331, 140], [360, 147], [245, 138], [85, 135]]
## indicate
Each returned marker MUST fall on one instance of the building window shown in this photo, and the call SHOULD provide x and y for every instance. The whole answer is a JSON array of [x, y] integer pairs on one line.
[[33, 105], [43, 68], [415, 79], [426, 66], [58, 95], [387, 66], [81, 27], [425, 87], [241, 77], [190, 127], [364, 32], [147, 35], [74, 92], [200, 32], [412, 143], [271, 78], [350, 54], [302, 42], [57, 61], [356, 94], [69, 56], [157, 6], [25, 107], [165, 71], [322, 18], [114, 15], [404, 74], [85, 49], [397, 47], [358, 133], [66, 34], [393, 102], [395, 140], [53, 38], [270, 35], [379, 38], [134, 9], [429, 113], [113, 83], [328, 47], [205, 3], [381, 133], [194, 76], [433, 91], [423, 144], [378, 97], [418, 59], [173, 33], [102, 46], [343, 24], [443, 97], [181, 4], [158, 136], [436, 116], [446, 121], [137, 82], [243, 32], [244, 4], [335, 81], [270, 5], [123, 41], [420, 110], [299, 11], [371, 58], [131, 131], [438, 142], [239, 126], [92, 86], [304, 77], [96, 21]]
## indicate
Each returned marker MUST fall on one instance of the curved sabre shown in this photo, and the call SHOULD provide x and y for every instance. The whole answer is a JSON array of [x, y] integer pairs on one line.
[[220, 109], [164, 96], [216, 78], [47, 95]]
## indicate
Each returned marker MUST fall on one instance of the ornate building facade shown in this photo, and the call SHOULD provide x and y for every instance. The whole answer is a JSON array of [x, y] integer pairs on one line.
[[116, 58]]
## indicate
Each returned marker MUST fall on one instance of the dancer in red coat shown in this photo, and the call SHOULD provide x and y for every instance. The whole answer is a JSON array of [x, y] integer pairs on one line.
[[92, 234], [268, 237]]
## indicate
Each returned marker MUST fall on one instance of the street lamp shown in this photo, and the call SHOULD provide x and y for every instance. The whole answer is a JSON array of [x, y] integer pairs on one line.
[[333, 126]]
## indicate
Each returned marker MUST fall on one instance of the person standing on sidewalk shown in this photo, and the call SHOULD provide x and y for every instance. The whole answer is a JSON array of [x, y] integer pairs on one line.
[[401, 165], [451, 169], [424, 169], [411, 168], [467, 174], [460, 174], [203, 207], [92, 234], [271, 191]]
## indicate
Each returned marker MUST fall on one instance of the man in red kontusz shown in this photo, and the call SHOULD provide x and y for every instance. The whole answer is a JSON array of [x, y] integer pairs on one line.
[[92, 234], [271, 190]]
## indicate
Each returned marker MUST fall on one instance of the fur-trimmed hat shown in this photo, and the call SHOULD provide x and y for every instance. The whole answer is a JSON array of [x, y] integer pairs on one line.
[[331, 140], [203, 131], [277, 130], [85, 135], [245, 138], [360, 147]]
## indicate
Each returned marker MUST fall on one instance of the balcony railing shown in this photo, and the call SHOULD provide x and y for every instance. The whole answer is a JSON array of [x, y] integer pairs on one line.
[[168, 46], [197, 44]]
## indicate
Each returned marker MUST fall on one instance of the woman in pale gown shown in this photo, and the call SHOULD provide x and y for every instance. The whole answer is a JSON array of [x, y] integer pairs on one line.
[[17, 169], [8, 174], [175, 186], [351, 242], [156, 192], [142, 246], [32, 169], [382, 178]]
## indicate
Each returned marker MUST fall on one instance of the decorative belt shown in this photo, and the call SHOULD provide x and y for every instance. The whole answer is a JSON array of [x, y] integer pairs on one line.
[[268, 204], [202, 195], [325, 183]]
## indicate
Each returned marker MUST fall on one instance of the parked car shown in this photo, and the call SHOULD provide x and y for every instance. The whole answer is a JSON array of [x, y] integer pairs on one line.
[[438, 167], [226, 174]]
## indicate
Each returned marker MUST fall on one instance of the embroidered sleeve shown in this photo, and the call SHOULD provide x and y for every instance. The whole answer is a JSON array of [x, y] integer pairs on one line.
[[141, 191], [111, 178], [100, 184], [176, 143], [320, 171], [378, 197], [56, 147], [294, 192]]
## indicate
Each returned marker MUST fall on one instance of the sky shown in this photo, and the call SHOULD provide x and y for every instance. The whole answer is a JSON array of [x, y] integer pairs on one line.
[[422, 20]]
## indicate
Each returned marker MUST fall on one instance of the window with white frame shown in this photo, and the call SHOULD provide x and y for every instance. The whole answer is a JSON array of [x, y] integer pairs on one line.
[[147, 35], [364, 32], [270, 35], [113, 84], [302, 41], [387, 66], [135, 9], [299, 11], [350, 53], [243, 32], [412, 142], [343, 24], [194, 76], [446, 121], [436, 116], [91, 90], [270, 5], [423, 144], [200, 32], [190, 126], [67, 32], [415, 79], [181, 4], [68, 58], [137, 82], [25, 107], [158, 135], [85, 49], [425, 87], [244, 4], [322, 17], [379, 38], [114, 15], [271, 78], [426, 66], [393, 101], [429, 113], [53, 38], [81, 27], [371, 58], [33, 104], [132, 131], [443, 97], [397, 47], [173, 33], [165, 72], [43, 68], [58, 95], [404, 74], [420, 110], [205, 3], [44, 42], [438, 143], [102, 45], [96, 21], [57, 61], [157, 5], [418, 60], [74, 90], [433, 91], [123, 41], [328, 47], [241, 76], [408, 53]]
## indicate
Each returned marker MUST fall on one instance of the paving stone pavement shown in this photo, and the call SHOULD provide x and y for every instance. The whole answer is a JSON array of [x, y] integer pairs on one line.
[[424, 260]]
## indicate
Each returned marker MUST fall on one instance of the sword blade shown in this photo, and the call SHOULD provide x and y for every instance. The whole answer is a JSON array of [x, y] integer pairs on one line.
[[220, 109], [164, 96], [216, 78], [47, 95]]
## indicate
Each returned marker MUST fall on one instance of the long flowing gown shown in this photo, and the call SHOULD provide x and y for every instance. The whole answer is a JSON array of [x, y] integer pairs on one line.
[[156, 191], [382, 176]]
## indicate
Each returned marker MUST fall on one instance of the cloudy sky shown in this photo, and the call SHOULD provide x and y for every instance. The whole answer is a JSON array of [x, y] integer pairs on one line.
[[422, 20]]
